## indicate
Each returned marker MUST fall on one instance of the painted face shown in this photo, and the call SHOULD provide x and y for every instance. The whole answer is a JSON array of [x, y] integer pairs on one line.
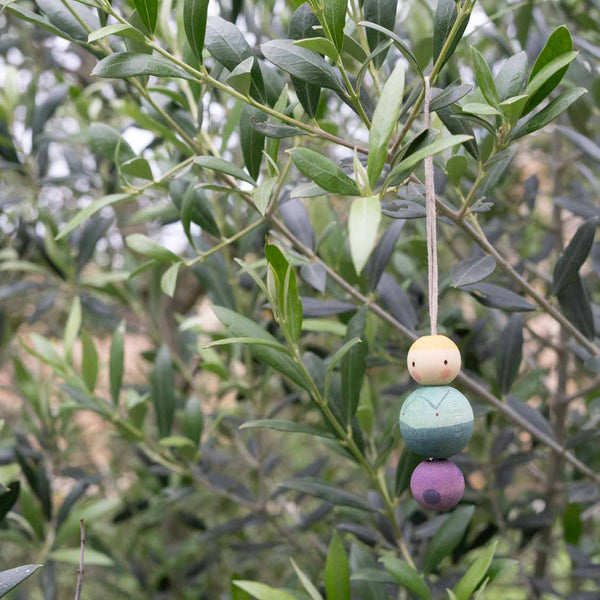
[[437, 485], [436, 421], [433, 360]]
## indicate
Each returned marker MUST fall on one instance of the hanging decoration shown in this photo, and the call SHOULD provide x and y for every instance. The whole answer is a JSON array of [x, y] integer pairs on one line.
[[436, 420]]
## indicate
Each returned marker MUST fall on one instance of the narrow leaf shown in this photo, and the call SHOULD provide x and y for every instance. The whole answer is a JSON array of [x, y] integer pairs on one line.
[[162, 390], [363, 225], [337, 571], [323, 171], [121, 65], [194, 21]]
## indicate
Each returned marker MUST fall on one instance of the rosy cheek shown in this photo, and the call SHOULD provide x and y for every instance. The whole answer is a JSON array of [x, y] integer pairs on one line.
[[415, 375], [445, 373]]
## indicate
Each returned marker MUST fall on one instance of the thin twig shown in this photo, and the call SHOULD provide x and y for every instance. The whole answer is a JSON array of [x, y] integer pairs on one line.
[[80, 571]]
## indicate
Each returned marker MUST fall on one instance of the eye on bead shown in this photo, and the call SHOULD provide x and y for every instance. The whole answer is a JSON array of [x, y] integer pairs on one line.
[[434, 360]]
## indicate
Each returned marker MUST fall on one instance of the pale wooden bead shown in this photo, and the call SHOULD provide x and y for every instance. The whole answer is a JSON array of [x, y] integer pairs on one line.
[[434, 360]]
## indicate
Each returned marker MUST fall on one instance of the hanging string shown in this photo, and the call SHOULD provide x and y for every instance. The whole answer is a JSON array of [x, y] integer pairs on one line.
[[430, 218]]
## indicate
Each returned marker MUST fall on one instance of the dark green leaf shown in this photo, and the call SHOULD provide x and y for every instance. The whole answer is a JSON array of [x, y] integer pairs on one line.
[[194, 21], [549, 113], [476, 573], [89, 361], [473, 270], [354, 363], [575, 254], [251, 140], [118, 29], [193, 419], [196, 208], [379, 12], [457, 126], [121, 65], [328, 492], [61, 17], [162, 390], [447, 537], [241, 77], [272, 130], [242, 327], [148, 11], [373, 576], [323, 171], [406, 576], [334, 12], [531, 415], [319, 45], [572, 523], [107, 141], [453, 93], [407, 463], [495, 296], [499, 567], [445, 17], [303, 64], [574, 301], [382, 253], [148, 247], [117, 356], [559, 43], [137, 167], [10, 579], [583, 142], [8, 498], [510, 353], [337, 571]]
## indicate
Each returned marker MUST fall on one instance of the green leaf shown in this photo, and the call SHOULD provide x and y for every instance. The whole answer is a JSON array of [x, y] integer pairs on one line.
[[307, 584], [116, 361], [262, 194], [92, 558], [328, 492], [447, 537], [383, 13], [510, 353], [137, 167], [194, 22], [373, 576], [323, 171], [407, 463], [289, 303], [176, 441], [575, 254], [260, 591], [121, 65], [60, 16], [559, 44], [354, 363], [337, 571], [248, 340], [473, 270], [10, 579], [406, 576], [9, 496], [162, 391], [274, 130], [242, 327], [89, 361], [72, 326], [485, 79], [303, 64], [285, 426], [549, 113], [334, 12], [223, 166], [142, 244], [193, 419], [90, 210], [496, 296], [384, 121], [320, 45], [148, 12], [399, 171], [363, 225], [513, 107], [169, 279], [108, 142], [478, 108], [445, 17], [511, 76], [475, 574], [574, 301], [241, 77], [499, 567], [251, 140], [572, 523], [118, 29], [400, 45]]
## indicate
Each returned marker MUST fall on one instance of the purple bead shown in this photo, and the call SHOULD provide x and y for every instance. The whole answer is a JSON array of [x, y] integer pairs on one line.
[[437, 484]]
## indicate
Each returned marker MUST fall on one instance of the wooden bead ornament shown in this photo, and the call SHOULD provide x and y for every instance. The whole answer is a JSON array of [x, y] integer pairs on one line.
[[437, 484], [434, 360], [436, 421]]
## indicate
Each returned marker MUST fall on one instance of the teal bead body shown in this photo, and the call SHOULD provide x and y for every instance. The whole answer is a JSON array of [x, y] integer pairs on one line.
[[436, 421]]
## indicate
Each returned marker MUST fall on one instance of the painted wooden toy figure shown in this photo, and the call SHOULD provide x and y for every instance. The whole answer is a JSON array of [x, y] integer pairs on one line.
[[436, 420]]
